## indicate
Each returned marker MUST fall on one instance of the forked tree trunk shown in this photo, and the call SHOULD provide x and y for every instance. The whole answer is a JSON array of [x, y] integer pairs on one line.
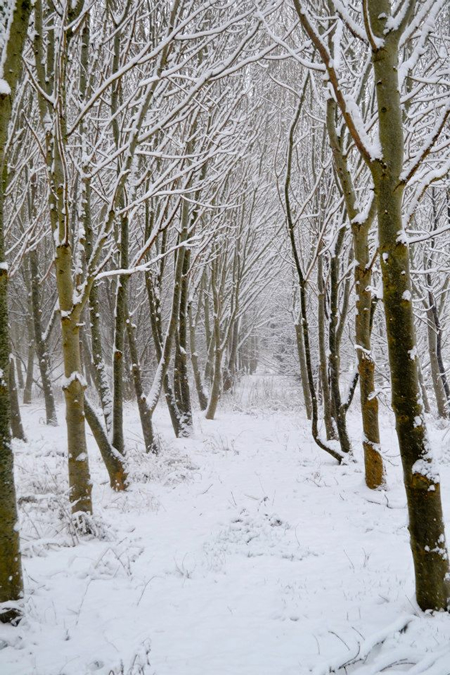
[[373, 461], [156, 324], [113, 461], [339, 456]]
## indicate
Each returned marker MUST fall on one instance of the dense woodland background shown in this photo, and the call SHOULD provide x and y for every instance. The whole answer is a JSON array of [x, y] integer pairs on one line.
[[197, 191]]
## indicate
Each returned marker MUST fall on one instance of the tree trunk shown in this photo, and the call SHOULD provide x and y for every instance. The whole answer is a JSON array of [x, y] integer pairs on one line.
[[20, 379], [11, 584], [214, 395], [181, 368], [303, 371], [217, 368], [422, 484], [113, 461], [80, 483], [436, 379], [156, 320], [333, 341], [144, 411], [16, 420], [374, 468], [27, 392], [323, 361], [119, 344], [373, 461], [41, 347], [202, 396]]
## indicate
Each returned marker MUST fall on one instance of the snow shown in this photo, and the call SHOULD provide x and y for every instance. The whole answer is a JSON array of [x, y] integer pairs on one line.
[[373, 146], [244, 550], [74, 377]]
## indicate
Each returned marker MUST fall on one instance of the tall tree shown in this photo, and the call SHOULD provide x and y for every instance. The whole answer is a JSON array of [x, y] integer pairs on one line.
[[385, 28], [14, 26]]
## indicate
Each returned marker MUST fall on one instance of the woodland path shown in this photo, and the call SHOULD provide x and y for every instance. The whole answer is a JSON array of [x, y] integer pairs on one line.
[[241, 551]]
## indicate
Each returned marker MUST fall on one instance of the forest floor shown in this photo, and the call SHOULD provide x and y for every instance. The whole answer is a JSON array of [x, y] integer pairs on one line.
[[244, 550]]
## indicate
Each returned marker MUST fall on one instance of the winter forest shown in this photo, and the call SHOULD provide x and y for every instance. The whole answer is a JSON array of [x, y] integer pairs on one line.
[[224, 337]]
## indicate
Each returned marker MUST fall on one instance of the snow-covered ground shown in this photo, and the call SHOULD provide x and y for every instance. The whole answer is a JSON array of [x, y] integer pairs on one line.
[[244, 550]]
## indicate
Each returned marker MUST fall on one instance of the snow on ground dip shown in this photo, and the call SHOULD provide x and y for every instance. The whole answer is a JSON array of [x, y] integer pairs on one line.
[[244, 550]]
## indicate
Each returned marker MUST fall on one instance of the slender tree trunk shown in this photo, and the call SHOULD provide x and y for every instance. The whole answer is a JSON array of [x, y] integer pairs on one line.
[[323, 361], [214, 395], [20, 379], [422, 484], [11, 584], [217, 369], [254, 355], [144, 411], [374, 468], [229, 375], [202, 396], [80, 483], [333, 341], [16, 420], [373, 461], [423, 389], [209, 336], [156, 321], [436, 379], [88, 366], [113, 461], [30, 367], [119, 344], [181, 368], [303, 371], [100, 374], [101, 377], [41, 347], [302, 291]]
